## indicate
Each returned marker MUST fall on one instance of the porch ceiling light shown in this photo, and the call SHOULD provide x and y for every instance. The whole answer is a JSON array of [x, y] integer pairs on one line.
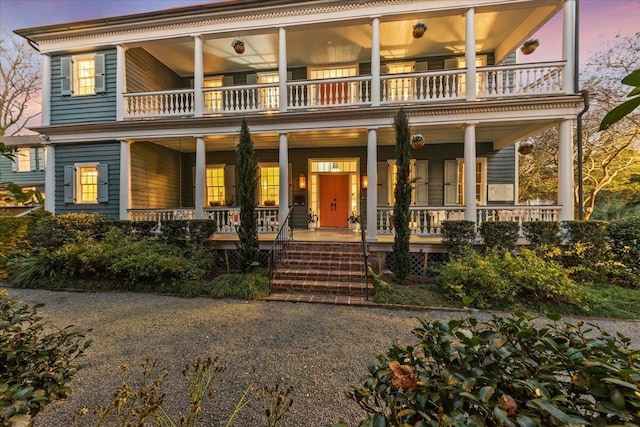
[[302, 182], [365, 181]]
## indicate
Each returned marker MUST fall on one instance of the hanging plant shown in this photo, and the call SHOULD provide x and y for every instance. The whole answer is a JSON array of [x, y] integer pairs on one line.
[[417, 141], [238, 46], [525, 149], [419, 29], [530, 46]]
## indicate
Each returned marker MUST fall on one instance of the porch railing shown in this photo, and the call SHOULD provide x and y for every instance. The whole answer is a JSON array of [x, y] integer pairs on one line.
[[161, 214], [228, 219], [421, 87], [427, 221], [279, 246]]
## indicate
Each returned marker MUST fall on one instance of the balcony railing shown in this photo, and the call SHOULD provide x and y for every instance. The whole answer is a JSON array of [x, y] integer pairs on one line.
[[427, 221], [423, 87]]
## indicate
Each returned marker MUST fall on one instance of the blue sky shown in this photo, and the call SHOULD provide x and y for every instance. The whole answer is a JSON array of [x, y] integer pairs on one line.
[[600, 20]]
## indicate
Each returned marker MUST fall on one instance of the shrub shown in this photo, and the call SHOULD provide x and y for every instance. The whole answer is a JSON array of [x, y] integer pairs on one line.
[[457, 236], [55, 231], [37, 361], [174, 231], [500, 235], [625, 242], [590, 237], [14, 235], [143, 229], [499, 279], [542, 233], [503, 372], [201, 230]]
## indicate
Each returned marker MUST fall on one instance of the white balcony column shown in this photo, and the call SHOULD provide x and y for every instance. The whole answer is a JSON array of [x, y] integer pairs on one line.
[[121, 81], [50, 180], [470, 54], [201, 167], [565, 171], [470, 203], [372, 185], [282, 68], [198, 76], [45, 116], [568, 45], [375, 61], [283, 163], [125, 179]]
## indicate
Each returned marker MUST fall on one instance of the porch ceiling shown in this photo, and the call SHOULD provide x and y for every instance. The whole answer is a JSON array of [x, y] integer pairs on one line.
[[507, 133], [499, 29]]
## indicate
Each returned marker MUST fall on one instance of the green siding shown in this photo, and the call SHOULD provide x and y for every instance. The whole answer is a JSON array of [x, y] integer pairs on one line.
[[155, 172], [84, 109], [104, 153]]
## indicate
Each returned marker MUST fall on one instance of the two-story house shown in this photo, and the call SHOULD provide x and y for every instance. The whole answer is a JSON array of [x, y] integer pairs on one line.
[[141, 113]]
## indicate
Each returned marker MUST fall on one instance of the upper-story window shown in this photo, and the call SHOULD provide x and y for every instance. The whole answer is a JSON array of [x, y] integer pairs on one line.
[[30, 159], [269, 96], [82, 75], [213, 98]]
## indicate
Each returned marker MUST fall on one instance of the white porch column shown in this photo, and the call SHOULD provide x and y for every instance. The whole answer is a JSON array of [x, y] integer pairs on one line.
[[568, 45], [45, 116], [470, 53], [375, 62], [565, 171], [121, 81], [470, 204], [198, 76], [125, 179], [201, 166], [283, 163], [372, 186], [50, 180], [282, 68]]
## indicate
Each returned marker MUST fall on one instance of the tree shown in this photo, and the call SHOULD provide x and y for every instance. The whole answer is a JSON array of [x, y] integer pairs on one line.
[[19, 85], [248, 247], [612, 156], [402, 192]]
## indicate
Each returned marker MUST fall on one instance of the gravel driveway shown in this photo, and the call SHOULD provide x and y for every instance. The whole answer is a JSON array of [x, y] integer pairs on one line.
[[320, 350]]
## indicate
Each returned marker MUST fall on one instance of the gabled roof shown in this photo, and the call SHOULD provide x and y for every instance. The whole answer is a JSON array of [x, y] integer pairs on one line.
[[21, 140]]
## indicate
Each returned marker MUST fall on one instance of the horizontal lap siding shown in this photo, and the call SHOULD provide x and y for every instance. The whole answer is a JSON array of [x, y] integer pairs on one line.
[[146, 74], [7, 174], [84, 109], [155, 172], [501, 168], [103, 153]]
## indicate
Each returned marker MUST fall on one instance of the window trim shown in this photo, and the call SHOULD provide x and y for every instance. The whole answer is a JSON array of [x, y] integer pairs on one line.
[[78, 180], [69, 74], [209, 199]]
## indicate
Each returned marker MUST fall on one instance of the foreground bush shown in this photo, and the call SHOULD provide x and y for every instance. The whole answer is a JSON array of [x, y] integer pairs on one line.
[[37, 361], [625, 242], [499, 279], [504, 372]]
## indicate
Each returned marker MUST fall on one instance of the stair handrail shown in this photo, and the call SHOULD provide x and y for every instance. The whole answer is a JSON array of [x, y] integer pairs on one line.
[[275, 253], [364, 254]]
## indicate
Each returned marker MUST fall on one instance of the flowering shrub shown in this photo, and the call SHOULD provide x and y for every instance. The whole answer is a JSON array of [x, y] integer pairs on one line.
[[503, 372], [37, 361]]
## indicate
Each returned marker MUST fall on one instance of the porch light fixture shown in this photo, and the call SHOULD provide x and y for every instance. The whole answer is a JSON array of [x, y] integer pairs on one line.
[[302, 182], [365, 181]]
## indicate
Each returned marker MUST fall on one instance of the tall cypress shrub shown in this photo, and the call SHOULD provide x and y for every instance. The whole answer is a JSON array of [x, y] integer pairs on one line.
[[248, 247], [401, 254]]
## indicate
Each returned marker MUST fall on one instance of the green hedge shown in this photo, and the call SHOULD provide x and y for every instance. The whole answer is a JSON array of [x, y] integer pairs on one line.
[[625, 242], [500, 235], [458, 236], [542, 233]]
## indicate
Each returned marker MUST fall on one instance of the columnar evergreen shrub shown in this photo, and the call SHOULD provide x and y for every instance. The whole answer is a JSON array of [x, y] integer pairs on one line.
[[402, 192], [500, 235], [506, 371], [458, 236], [542, 234], [625, 242], [248, 247], [37, 361]]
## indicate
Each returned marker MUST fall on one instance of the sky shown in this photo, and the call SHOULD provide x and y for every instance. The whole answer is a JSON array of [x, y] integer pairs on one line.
[[600, 21]]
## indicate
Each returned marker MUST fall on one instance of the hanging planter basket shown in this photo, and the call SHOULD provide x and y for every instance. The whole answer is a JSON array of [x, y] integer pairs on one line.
[[417, 141], [529, 46], [419, 29], [525, 149], [238, 46]]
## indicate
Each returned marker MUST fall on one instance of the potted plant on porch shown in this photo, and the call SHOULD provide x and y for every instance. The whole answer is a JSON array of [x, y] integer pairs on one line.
[[530, 46], [419, 29], [354, 221], [312, 220], [238, 46]]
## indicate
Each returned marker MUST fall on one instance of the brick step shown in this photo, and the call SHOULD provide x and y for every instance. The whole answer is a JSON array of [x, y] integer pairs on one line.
[[323, 255], [323, 275], [325, 246], [319, 288], [322, 264]]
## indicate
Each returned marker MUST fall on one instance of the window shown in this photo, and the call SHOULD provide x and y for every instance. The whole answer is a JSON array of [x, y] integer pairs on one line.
[[333, 93], [481, 61], [86, 183], [454, 181], [82, 75], [215, 186], [393, 176], [400, 89], [29, 159], [213, 99], [269, 96], [269, 185]]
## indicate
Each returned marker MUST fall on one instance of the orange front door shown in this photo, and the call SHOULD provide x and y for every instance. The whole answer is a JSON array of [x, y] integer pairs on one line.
[[334, 200]]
